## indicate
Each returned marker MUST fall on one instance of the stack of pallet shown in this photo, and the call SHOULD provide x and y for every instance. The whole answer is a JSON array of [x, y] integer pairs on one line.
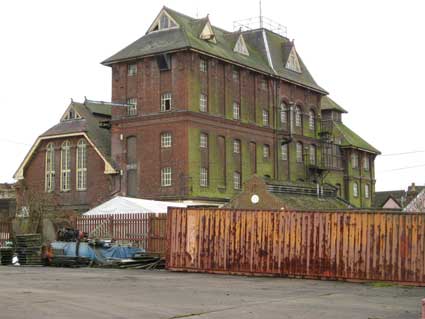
[[6, 254], [28, 248]]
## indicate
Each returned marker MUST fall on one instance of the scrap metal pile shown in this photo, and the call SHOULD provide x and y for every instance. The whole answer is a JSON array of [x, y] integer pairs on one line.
[[138, 261], [28, 249]]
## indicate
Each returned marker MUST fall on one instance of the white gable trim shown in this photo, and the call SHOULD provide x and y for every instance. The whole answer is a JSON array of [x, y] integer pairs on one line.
[[208, 33], [19, 175], [293, 62], [156, 22], [63, 118], [240, 46]]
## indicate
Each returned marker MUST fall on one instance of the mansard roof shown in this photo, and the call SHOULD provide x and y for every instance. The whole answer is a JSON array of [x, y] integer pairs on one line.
[[267, 50], [91, 113]]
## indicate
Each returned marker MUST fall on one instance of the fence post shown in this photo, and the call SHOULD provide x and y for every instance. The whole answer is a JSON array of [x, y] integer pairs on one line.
[[423, 309], [111, 226]]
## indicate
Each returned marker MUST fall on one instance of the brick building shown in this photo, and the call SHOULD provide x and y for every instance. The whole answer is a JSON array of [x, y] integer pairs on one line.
[[196, 111]]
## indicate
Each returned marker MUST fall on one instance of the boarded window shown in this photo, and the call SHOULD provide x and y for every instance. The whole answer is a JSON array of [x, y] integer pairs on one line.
[[132, 166]]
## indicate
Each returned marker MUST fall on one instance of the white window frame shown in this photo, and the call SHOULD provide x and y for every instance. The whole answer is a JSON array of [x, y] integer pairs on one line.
[[312, 120], [236, 75], [203, 140], [203, 65], [131, 69], [284, 151], [266, 118], [166, 140], [164, 98], [65, 178], [203, 177], [266, 151], [355, 189], [166, 177], [236, 146], [237, 180], [354, 160], [236, 111], [132, 106], [298, 117], [312, 154], [299, 149], [81, 165], [203, 103], [283, 114], [50, 168], [366, 164]]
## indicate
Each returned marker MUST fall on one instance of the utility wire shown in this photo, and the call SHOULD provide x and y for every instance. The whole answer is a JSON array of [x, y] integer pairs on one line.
[[402, 168], [403, 153]]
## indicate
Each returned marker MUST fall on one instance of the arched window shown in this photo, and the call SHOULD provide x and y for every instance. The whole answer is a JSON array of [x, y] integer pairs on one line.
[[312, 120], [299, 152], [283, 114], [284, 151], [355, 189], [50, 168], [312, 154], [298, 116], [66, 166], [81, 165]]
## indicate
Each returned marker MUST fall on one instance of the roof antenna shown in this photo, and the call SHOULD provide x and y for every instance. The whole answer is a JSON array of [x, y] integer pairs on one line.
[[261, 16]]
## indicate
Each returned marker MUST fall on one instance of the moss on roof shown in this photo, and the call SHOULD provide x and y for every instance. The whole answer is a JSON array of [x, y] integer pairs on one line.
[[303, 202], [188, 36], [329, 104], [351, 139]]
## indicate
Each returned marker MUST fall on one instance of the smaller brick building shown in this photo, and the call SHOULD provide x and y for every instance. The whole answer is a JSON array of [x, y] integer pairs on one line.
[[70, 164]]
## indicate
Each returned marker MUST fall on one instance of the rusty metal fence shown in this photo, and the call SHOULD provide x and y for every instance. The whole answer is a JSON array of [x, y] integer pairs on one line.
[[5, 231], [147, 231], [372, 246]]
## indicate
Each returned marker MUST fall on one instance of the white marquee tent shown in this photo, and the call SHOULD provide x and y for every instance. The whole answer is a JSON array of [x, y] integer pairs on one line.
[[128, 205]]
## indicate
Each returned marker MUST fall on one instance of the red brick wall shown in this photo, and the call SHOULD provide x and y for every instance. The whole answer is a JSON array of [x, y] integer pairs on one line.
[[98, 184]]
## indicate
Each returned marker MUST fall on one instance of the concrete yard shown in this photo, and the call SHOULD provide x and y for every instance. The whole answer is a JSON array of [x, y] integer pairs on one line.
[[37, 292]]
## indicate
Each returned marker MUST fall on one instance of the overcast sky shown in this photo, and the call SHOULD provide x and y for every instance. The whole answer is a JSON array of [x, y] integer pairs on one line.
[[370, 56]]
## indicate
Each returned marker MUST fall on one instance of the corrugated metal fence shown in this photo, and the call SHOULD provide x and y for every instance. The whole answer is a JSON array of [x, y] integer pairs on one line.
[[147, 231], [336, 245]]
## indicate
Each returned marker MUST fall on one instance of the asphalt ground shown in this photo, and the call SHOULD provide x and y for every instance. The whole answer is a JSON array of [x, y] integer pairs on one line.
[[41, 292]]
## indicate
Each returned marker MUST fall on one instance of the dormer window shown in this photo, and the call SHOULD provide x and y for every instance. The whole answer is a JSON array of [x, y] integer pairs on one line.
[[293, 63], [71, 115], [163, 22], [208, 33], [240, 46]]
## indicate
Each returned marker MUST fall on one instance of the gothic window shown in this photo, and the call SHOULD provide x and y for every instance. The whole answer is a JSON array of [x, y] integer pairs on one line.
[[312, 154], [50, 168], [298, 116], [236, 146], [293, 63], [266, 151], [240, 46], [81, 165], [355, 189], [66, 166], [299, 148], [284, 151], [236, 111], [266, 118], [312, 120], [366, 191], [163, 22], [203, 140]]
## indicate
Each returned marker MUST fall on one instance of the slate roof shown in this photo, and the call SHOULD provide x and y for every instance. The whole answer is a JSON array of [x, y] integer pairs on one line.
[[92, 113], [305, 202], [187, 37], [351, 139], [329, 104], [381, 197]]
